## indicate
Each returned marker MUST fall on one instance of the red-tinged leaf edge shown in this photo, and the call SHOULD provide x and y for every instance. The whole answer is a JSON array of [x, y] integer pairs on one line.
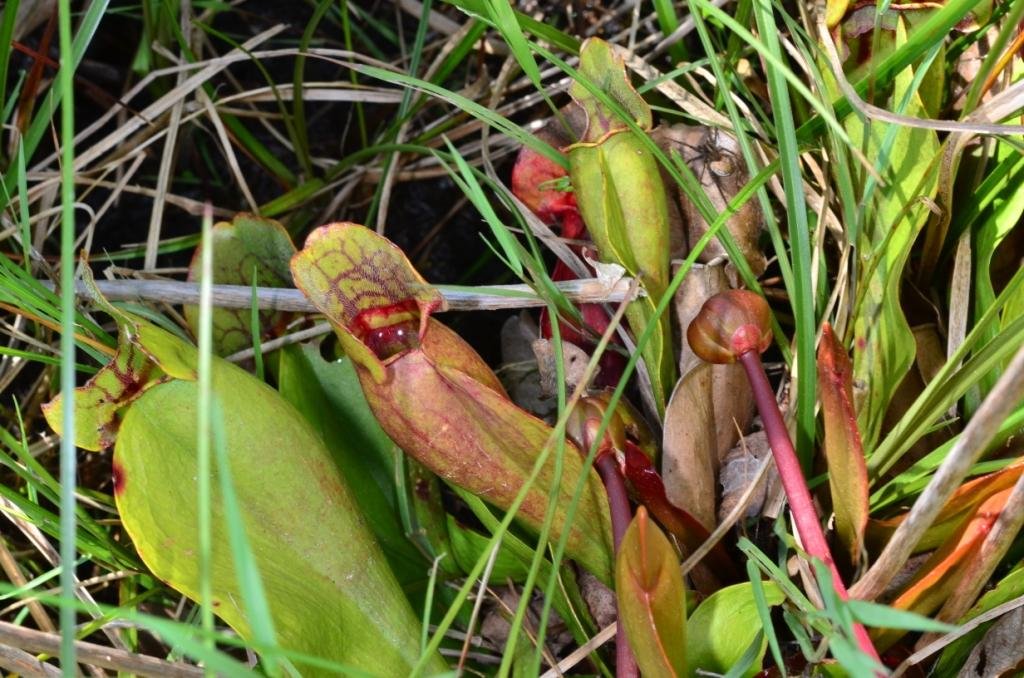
[[958, 508], [651, 598], [844, 452], [937, 577], [379, 305], [650, 490]]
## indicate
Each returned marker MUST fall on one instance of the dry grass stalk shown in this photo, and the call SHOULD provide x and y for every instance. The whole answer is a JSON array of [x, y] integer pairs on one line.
[[32, 641], [492, 297]]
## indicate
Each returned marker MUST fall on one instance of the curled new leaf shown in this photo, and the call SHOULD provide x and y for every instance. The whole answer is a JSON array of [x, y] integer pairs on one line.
[[434, 395], [848, 473], [584, 423], [628, 441], [622, 198], [652, 598], [625, 424]]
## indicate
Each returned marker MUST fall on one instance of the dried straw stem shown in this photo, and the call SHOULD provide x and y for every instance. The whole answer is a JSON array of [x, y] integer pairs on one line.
[[491, 297]]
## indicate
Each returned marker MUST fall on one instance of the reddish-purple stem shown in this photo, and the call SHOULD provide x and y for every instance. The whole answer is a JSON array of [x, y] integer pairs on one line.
[[618, 501], [802, 506]]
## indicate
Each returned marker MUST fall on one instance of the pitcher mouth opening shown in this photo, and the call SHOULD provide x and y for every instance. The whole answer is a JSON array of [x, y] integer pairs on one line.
[[389, 331]]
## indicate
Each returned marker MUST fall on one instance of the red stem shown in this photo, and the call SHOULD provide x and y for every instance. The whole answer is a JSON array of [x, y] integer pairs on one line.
[[618, 501], [802, 506]]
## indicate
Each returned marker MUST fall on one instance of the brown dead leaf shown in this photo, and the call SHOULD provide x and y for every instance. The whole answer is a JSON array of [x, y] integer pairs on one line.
[[714, 156], [734, 405], [599, 598], [689, 460], [711, 406], [519, 373], [499, 610], [575, 360], [968, 65], [1001, 651], [739, 470], [930, 354], [699, 285]]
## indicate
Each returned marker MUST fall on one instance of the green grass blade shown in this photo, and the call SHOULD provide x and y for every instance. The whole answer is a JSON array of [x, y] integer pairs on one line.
[[346, 33], [996, 48], [254, 597], [750, 157], [668, 21], [68, 452], [13, 94], [250, 142], [920, 40], [263, 155], [504, 19], [204, 482], [483, 113], [952, 380], [768, 48], [542, 540], [87, 24], [883, 616], [44, 359], [92, 537], [6, 34], [428, 601], [759, 560], [764, 612], [301, 135], [254, 326], [472, 189], [916, 478], [402, 117], [799, 233], [26, 232], [545, 32]]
